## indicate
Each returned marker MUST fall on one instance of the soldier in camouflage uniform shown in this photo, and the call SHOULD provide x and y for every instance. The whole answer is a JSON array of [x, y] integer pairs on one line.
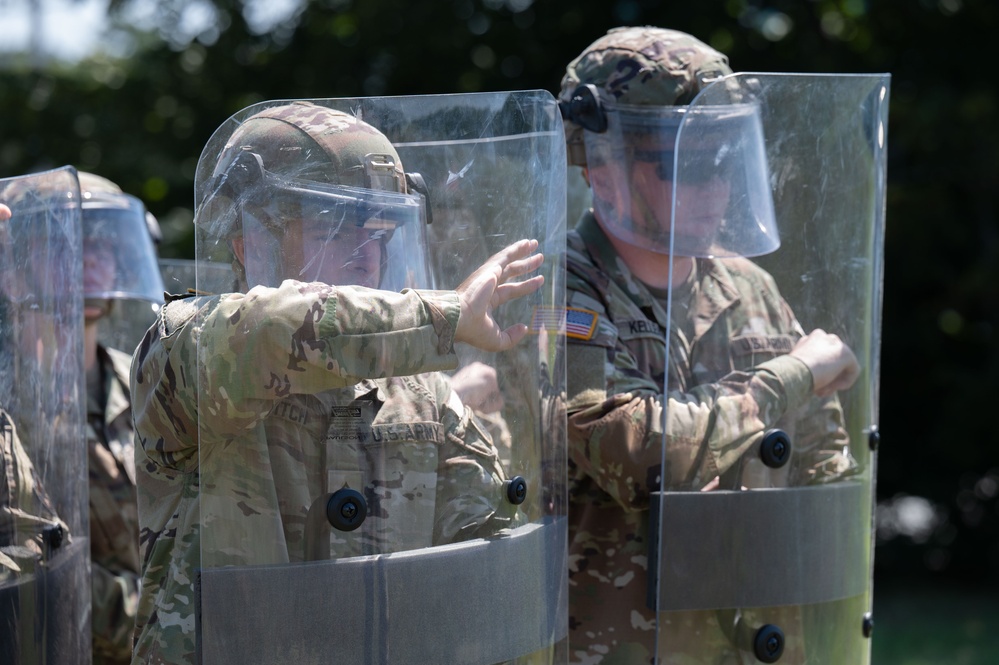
[[739, 364], [118, 263], [250, 406]]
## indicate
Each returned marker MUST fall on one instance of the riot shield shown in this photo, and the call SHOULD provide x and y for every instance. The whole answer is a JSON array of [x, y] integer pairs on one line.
[[373, 514], [128, 320], [44, 546], [771, 560]]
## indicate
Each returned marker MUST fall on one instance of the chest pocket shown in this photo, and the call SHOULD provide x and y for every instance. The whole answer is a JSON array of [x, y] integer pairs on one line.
[[394, 465], [751, 350]]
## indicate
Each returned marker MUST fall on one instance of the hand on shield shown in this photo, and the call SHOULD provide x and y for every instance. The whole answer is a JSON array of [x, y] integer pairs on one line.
[[4, 212], [832, 363], [489, 287], [478, 387]]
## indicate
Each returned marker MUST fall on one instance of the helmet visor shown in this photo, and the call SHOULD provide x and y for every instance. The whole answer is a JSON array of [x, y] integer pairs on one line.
[[119, 261], [313, 232], [693, 176]]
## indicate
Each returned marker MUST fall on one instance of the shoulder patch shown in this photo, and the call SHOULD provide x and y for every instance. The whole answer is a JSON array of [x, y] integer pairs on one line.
[[580, 323]]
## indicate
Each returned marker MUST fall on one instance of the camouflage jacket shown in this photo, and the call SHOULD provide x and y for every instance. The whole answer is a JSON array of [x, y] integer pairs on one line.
[[729, 380], [114, 519], [301, 390]]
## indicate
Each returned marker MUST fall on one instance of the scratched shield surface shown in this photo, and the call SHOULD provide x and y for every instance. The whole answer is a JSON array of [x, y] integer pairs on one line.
[[356, 500]]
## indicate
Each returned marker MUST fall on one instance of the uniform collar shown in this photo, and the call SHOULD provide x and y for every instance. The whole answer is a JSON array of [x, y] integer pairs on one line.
[[607, 260], [716, 287]]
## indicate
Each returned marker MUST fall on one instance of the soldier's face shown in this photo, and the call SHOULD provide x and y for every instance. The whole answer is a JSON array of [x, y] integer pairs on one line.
[[643, 193], [350, 255], [98, 274], [312, 252]]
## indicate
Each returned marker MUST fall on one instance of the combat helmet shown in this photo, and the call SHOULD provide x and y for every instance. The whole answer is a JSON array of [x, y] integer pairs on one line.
[[668, 174], [637, 66], [307, 163]]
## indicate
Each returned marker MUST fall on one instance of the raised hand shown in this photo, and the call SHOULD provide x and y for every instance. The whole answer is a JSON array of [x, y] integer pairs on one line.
[[490, 286]]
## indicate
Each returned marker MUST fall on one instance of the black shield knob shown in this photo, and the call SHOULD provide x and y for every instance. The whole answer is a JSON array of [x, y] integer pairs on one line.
[[868, 624], [346, 509], [585, 109], [516, 490], [768, 646], [874, 439], [775, 448]]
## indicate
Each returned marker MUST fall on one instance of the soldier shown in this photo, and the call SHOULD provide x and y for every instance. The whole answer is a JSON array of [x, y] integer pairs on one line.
[[234, 452], [739, 362], [119, 264]]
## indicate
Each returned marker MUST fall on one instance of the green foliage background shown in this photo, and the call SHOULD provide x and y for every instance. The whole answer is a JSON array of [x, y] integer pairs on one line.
[[142, 121]]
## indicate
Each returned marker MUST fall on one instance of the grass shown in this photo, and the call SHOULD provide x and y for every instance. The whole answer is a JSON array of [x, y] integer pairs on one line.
[[935, 625]]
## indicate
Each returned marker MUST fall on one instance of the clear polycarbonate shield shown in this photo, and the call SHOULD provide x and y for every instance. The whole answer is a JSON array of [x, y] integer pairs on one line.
[[771, 560], [118, 253], [648, 193], [409, 508], [44, 545], [128, 320]]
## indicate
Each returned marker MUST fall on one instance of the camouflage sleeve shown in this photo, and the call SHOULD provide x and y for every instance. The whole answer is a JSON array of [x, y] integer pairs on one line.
[[819, 440], [618, 441], [470, 484], [616, 415], [817, 428], [248, 350], [821, 444]]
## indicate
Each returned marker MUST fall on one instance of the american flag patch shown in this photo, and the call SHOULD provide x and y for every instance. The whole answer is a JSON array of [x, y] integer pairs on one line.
[[577, 323]]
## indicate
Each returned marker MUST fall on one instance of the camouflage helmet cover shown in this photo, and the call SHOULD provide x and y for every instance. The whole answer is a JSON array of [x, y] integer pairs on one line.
[[305, 141], [300, 161], [640, 66], [312, 142]]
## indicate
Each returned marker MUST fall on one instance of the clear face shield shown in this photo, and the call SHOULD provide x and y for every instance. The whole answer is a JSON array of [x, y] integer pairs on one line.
[[315, 232], [699, 172], [119, 260]]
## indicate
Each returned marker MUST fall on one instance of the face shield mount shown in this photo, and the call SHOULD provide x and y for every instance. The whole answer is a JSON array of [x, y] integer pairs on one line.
[[585, 108]]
